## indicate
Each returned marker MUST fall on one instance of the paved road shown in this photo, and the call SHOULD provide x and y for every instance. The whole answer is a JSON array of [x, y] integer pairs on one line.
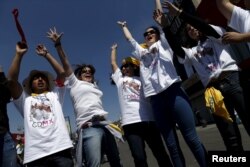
[[209, 136]]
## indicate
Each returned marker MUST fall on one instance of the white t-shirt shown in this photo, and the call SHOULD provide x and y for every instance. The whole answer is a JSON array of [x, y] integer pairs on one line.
[[210, 58], [86, 99], [240, 20], [156, 66], [44, 124], [134, 106]]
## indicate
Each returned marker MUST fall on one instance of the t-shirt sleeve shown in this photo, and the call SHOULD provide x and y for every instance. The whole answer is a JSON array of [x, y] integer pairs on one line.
[[138, 50], [116, 75], [70, 81], [239, 19], [19, 103]]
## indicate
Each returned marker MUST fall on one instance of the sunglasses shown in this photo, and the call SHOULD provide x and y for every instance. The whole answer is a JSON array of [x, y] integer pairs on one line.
[[149, 32], [126, 65], [86, 71]]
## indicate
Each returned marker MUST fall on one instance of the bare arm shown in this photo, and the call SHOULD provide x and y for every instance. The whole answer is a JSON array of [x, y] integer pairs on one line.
[[225, 7], [125, 29], [41, 50], [235, 37], [14, 70], [56, 38], [113, 57], [158, 5]]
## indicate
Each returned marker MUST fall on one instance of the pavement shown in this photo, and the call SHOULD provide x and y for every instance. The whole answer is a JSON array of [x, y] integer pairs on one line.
[[209, 136]]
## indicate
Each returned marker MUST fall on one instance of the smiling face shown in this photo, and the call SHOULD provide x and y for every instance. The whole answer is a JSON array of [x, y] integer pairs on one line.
[[193, 33], [87, 75], [128, 69], [39, 83], [151, 36]]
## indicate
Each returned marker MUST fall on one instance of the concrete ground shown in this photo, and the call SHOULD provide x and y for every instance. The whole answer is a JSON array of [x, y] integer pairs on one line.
[[209, 136]]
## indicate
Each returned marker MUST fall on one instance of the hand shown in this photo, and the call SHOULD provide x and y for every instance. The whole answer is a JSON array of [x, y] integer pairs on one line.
[[231, 37], [41, 50], [114, 46], [122, 23], [54, 36], [173, 10], [160, 18], [20, 49]]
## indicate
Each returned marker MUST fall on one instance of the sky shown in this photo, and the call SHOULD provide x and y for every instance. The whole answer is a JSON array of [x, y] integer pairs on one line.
[[90, 28]]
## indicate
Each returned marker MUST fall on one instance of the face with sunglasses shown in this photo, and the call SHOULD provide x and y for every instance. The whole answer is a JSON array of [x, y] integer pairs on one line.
[[87, 75], [127, 69], [151, 36]]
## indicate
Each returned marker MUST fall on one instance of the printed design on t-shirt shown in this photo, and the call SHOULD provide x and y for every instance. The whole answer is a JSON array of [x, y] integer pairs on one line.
[[131, 90], [41, 114], [206, 56], [149, 57]]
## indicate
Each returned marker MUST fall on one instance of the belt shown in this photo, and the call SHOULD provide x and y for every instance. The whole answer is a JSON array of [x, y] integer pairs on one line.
[[94, 119]]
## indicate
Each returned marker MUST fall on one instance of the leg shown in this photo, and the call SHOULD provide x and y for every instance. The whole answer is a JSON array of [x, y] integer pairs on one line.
[[184, 116], [61, 159], [166, 125], [91, 145], [9, 157], [154, 140], [229, 133], [111, 149], [136, 143]]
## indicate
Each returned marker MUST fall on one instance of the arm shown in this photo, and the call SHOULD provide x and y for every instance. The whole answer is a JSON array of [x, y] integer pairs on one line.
[[174, 44], [13, 74], [158, 5], [225, 7], [41, 50], [125, 29], [113, 58], [196, 22], [56, 38], [235, 37]]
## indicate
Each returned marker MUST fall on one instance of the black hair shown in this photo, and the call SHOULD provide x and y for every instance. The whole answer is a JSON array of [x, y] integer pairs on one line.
[[154, 28], [80, 67]]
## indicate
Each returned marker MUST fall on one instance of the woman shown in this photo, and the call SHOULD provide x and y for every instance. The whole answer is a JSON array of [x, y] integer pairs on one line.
[[163, 86], [94, 136], [137, 117], [217, 69]]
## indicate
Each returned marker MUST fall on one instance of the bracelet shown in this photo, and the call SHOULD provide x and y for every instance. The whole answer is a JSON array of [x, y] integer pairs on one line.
[[57, 44]]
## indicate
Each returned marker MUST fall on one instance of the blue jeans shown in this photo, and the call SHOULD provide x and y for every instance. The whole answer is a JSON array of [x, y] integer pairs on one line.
[[170, 107], [59, 159], [96, 141], [139, 133], [8, 155]]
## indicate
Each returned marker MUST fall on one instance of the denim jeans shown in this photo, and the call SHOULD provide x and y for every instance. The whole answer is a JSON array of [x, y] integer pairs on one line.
[[234, 100], [139, 133], [96, 141], [170, 107], [7, 151], [59, 159]]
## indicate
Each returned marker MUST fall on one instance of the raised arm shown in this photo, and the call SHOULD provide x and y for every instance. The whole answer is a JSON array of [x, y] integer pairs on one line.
[[158, 5], [56, 38], [41, 50], [113, 57], [125, 29], [225, 7], [160, 19], [14, 71], [196, 22]]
